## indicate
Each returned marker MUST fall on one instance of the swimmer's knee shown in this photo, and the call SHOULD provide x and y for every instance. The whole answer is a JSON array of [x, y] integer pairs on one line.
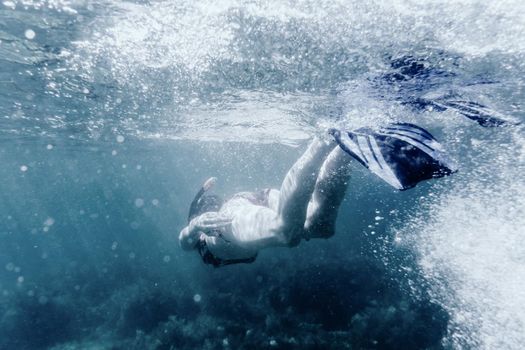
[[291, 236], [326, 233], [318, 230], [322, 234], [294, 240]]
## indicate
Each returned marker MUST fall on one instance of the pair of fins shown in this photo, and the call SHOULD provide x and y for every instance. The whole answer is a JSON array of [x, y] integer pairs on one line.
[[401, 154]]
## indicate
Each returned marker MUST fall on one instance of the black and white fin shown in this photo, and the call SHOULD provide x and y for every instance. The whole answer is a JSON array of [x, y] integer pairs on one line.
[[401, 154], [483, 115]]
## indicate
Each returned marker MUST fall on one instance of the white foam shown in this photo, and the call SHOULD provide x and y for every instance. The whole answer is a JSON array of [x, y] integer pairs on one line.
[[470, 246], [190, 46]]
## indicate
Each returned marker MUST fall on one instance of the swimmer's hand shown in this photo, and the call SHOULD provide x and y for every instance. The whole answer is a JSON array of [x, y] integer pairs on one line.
[[210, 224], [209, 183], [210, 221]]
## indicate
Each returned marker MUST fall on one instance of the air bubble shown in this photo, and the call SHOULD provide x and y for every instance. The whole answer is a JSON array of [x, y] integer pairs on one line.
[[30, 34], [9, 4], [49, 221]]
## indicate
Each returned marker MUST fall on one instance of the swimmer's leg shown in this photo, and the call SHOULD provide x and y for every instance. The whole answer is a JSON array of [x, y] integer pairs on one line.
[[329, 192], [297, 188]]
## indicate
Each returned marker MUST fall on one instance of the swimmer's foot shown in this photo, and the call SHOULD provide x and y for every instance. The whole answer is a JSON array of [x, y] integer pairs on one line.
[[334, 133]]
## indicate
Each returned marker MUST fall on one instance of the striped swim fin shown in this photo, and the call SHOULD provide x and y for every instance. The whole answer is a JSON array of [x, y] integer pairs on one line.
[[483, 115], [401, 154]]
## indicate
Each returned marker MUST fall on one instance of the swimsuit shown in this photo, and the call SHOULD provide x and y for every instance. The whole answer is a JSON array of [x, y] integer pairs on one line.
[[256, 198]]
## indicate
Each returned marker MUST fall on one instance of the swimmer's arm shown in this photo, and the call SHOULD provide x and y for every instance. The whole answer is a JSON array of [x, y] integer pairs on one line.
[[188, 239]]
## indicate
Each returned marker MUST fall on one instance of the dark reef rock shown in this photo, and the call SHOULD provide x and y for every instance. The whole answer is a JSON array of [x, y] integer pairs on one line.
[[35, 323]]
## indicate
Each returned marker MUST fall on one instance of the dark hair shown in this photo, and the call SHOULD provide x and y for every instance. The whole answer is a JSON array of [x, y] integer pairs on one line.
[[204, 204]]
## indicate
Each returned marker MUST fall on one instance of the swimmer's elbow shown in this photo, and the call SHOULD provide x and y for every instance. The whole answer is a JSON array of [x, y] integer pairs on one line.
[[186, 242], [185, 245]]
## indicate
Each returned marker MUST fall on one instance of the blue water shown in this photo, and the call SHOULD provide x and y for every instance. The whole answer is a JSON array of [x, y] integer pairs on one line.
[[113, 113]]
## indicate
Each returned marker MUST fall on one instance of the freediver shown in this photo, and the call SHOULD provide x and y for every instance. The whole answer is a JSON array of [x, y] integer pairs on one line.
[[307, 203]]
